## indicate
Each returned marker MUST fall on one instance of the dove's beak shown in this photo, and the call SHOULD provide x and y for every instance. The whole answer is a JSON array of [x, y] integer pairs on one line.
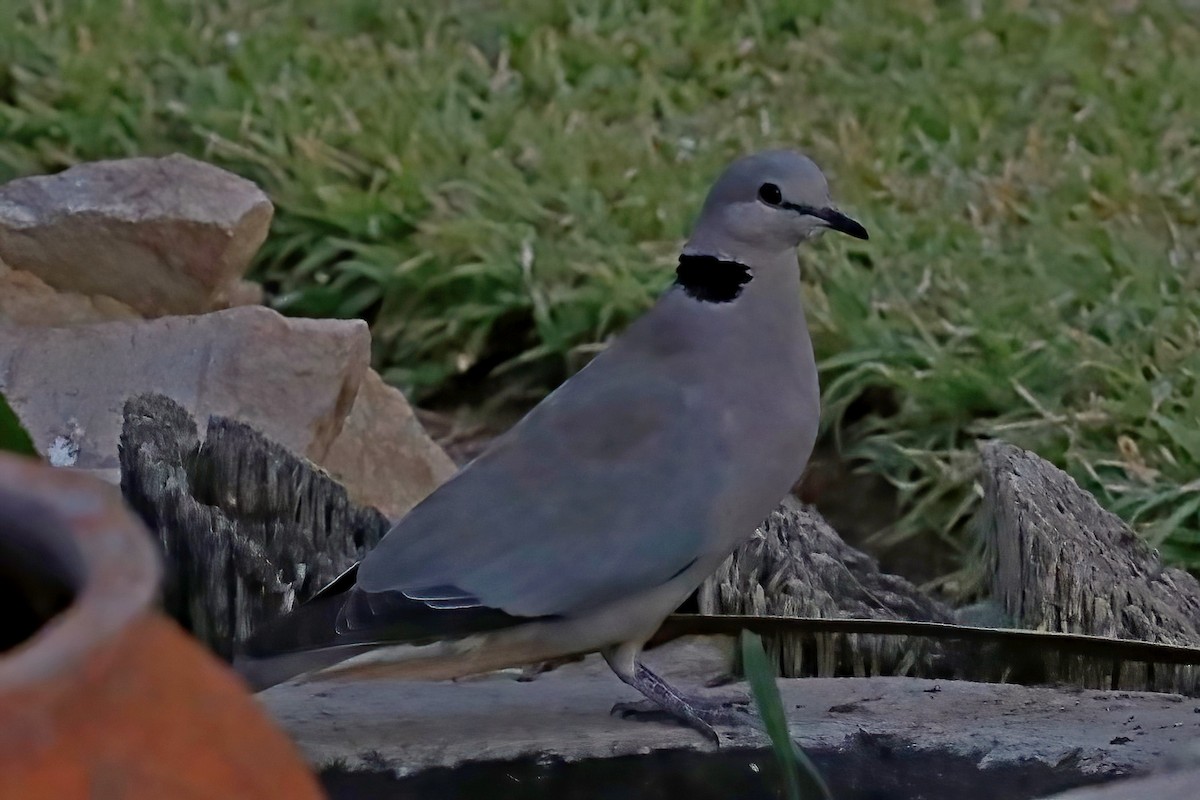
[[836, 220]]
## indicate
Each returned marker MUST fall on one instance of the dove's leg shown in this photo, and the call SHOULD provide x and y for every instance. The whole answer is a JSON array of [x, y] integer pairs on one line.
[[699, 714]]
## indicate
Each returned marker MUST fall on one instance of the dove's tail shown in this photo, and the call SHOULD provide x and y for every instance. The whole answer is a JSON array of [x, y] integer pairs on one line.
[[342, 623]]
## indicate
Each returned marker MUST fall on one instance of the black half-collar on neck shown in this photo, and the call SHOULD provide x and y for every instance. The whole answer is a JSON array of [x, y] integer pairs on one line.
[[710, 279]]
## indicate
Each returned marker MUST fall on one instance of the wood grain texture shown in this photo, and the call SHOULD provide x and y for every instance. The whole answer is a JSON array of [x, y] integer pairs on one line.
[[248, 529], [1059, 561]]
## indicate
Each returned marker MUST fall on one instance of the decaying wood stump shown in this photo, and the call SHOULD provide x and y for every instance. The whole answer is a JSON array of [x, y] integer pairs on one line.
[[248, 529], [797, 565], [1060, 562]]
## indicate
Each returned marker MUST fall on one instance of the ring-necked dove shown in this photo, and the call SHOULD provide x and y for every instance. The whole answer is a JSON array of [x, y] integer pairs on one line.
[[594, 517]]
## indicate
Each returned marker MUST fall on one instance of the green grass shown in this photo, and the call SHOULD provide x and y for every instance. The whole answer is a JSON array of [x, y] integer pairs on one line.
[[801, 777], [508, 183], [13, 436]]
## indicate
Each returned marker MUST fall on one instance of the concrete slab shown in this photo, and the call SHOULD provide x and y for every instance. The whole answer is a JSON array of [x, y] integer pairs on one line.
[[406, 727]]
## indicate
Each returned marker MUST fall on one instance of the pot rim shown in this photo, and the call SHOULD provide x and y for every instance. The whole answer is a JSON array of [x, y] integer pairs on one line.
[[121, 567]]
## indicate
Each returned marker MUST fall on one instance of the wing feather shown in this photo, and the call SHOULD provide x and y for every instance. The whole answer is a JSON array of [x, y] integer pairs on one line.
[[600, 491]]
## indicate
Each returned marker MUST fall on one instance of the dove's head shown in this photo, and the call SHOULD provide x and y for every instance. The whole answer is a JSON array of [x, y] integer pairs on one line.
[[767, 203]]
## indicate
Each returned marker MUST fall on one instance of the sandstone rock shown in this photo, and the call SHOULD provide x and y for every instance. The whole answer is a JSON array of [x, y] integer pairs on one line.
[[242, 293], [383, 455], [293, 379], [303, 383], [26, 299], [162, 235]]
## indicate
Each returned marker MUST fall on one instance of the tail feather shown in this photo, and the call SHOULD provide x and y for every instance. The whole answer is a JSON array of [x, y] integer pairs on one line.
[[342, 621]]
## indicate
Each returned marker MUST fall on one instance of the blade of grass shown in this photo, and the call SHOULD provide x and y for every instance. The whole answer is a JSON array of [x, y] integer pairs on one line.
[[797, 768], [13, 436]]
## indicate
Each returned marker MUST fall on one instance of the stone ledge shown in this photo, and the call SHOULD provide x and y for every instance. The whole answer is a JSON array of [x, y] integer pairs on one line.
[[406, 727]]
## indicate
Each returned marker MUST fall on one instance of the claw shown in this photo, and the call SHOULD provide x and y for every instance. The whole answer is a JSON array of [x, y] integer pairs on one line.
[[664, 702]]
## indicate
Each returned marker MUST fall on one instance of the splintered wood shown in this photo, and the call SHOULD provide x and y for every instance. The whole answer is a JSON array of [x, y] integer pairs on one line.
[[796, 565], [248, 530], [1059, 562]]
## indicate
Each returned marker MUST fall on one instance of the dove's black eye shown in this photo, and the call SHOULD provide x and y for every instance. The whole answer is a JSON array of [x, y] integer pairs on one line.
[[769, 193]]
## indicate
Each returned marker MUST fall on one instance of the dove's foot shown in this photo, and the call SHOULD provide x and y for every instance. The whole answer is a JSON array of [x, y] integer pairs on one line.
[[712, 712], [665, 702]]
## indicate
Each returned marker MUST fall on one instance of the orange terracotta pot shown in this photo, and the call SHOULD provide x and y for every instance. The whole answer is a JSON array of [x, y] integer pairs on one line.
[[108, 698]]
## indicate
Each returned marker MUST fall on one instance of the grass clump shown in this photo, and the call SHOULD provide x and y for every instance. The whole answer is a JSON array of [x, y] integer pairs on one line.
[[499, 187]]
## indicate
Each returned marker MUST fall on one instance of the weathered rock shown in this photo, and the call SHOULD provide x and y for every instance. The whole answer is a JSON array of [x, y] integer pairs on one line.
[[1182, 785], [26, 299], [293, 379], [243, 293], [1059, 561], [401, 727], [248, 529], [796, 565], [162, 235], [383, 455], [461, 439]]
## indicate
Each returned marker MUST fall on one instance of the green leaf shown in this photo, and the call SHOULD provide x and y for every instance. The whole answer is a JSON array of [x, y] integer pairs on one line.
[[798, 770], [1184, 437], [13, 436]]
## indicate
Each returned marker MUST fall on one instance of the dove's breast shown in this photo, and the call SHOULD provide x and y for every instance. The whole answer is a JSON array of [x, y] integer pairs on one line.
[[749, 367]]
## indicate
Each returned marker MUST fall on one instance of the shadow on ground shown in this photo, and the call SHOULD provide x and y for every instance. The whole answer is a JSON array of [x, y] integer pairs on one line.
[[871, 768]]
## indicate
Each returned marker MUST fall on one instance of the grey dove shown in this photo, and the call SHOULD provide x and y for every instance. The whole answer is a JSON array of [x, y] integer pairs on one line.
[[595, 516]]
